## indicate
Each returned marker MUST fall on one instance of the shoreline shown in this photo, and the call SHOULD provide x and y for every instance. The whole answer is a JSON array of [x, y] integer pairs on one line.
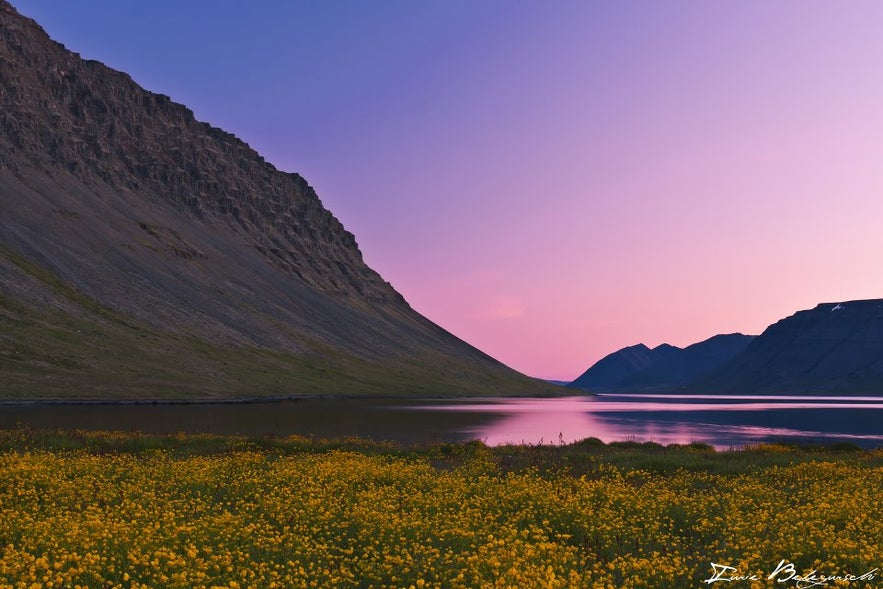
[[264, 400], [233, 401]]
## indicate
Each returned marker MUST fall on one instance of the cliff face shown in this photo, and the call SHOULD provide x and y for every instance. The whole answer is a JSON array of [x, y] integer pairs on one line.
[[63, 114], [664, 368], [144, 253], [832, 348]]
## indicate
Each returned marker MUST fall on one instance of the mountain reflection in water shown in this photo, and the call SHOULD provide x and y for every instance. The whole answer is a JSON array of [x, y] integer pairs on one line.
[[723, 421]]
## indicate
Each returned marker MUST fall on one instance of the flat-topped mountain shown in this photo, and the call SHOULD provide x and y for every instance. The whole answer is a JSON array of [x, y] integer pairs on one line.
[[665, 367], [832, 348], [145, 254]]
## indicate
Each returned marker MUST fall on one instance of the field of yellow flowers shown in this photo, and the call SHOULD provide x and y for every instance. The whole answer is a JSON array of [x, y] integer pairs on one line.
[[328, 518]]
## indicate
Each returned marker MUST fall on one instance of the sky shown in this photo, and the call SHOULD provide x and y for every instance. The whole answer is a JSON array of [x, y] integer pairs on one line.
[[550, 181]]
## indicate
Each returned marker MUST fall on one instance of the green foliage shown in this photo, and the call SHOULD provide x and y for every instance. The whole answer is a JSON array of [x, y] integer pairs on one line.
[[587, 457]]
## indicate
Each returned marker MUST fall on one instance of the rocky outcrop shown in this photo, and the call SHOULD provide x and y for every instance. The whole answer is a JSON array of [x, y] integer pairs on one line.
[[664, 368], [63, 113], [832, 348], [145, 253]]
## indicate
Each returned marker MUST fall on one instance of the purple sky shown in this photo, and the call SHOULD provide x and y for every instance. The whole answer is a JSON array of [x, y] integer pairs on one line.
[[550, 181]]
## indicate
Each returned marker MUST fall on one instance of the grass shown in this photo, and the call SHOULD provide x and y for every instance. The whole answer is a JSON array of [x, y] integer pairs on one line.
[[78, 349], [127, 510], [584, 458]]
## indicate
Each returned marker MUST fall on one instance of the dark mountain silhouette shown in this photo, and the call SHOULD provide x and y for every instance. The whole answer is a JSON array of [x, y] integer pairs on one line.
[[145, 254], [665, 367], [614, 368], [690, 363], [832, 348]]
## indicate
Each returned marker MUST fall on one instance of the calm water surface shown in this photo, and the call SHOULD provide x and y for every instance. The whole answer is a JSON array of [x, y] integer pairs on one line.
[[723, 421]]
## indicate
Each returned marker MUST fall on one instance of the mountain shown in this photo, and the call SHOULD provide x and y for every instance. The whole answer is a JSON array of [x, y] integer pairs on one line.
[[665, 367], [688, 364], [145, 254], [612, 369], [832, 348]]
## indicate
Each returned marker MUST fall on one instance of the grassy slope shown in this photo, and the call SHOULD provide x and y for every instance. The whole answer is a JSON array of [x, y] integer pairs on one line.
[[82, 350]]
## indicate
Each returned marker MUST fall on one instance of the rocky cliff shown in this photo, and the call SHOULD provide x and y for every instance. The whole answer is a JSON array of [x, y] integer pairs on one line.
[[832, 348], [146, 254]]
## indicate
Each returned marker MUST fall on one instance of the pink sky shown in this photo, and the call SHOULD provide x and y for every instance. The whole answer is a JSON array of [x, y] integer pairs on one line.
[[552, 181]]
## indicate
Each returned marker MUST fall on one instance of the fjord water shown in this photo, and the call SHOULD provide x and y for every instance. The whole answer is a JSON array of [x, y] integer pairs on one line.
[[723, 421]]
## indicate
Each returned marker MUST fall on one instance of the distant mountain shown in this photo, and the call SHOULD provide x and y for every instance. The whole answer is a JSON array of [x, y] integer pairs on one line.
[[665, 367], [613, 368], [683, 366], [832, 348], [145, 254]]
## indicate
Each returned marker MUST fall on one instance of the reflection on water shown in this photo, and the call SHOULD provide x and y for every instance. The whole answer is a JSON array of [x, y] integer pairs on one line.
[[724, 421], [378, 419], [679, 419]]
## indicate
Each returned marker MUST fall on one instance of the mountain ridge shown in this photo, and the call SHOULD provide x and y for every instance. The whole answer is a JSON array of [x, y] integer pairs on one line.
[[833, 348], [144, 253], [664, 367]]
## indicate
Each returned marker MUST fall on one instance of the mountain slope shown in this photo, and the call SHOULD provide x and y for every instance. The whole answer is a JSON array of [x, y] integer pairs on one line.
[[688, 364], [832, 348], [146, 254], [616, 367], [664, 368]]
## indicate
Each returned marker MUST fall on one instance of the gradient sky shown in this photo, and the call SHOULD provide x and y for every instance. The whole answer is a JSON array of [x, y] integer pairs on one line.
[[550, 181]]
